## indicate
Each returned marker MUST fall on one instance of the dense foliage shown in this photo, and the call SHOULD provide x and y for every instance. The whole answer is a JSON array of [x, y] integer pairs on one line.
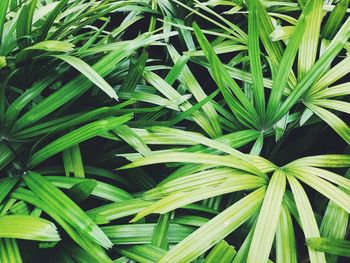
[[174, 131]]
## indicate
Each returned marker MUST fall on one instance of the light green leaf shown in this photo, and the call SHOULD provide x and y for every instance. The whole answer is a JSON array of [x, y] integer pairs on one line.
[[327, 160], [179, 199], [285, 239], [332, 120], [282, 33], [120, 209], [133, 140], [267, 221], [28, 227], [142, 233], [337, 72], [195, 181], [215, 230], [337, 105], [184, 157], [309, 44], [308, 221], [90, 73], [334, 213], [329, 190]]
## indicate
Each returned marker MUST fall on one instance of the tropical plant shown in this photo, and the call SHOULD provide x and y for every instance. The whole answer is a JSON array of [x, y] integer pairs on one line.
[[174, 131]]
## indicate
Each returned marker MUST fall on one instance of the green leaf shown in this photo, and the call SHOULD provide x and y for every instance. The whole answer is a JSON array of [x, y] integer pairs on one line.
[[190, 220], [66, 208], [3, 62], [335, 19], [242, 253], [77, 136], [187, 78], [286, 64], [335, 91], [330, 245], [221, 253], [79, 237], [194, 181], [82, 190], [3, 10], [257, 147], [135, 73], [316, 71], [159, 237], [254, 56], [28, 227], [329, 229], [332, 120], [48, 45], [168, 91], [241, 106], [337, 105], [282, 33], [74, 88], [6, 185], [102, 190], [9, 251], [324, 174], [73, 162], [69, 121], [95, 37], [6, 154], [24, 23], [273, 49], [20, 103], [44, 30]]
